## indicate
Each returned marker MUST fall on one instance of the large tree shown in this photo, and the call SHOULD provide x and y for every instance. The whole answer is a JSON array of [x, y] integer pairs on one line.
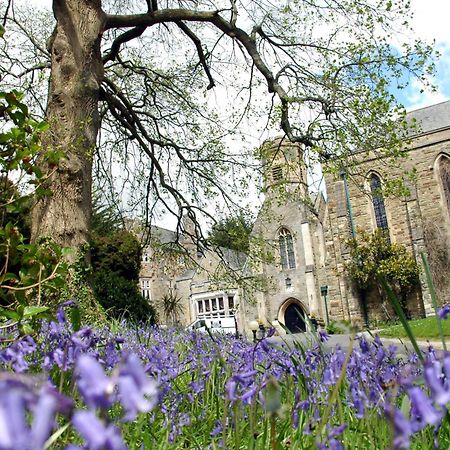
[[145, 70]]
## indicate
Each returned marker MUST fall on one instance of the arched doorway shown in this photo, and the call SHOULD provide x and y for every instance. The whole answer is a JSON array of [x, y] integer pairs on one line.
[[294, 318]]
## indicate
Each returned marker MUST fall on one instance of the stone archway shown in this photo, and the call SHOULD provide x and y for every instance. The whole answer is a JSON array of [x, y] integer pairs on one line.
[[292, 315]]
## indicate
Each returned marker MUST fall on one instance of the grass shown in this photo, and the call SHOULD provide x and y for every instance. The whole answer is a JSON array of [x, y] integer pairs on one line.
[[422, 328]]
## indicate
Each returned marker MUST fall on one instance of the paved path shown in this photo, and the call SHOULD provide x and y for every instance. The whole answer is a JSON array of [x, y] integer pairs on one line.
[[343, 340]]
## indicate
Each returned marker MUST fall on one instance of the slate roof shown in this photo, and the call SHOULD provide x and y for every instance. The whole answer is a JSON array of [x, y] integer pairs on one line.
[[431, 118]]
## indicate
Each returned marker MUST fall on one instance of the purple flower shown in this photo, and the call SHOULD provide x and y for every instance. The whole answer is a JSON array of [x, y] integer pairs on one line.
[[217, 429], [402, 427], [230, 388], [434, 379], [14, 433], [323, 336], [444, 312], [17, 401], [95, 387], [423, 410], [98, 435], [138, 392]]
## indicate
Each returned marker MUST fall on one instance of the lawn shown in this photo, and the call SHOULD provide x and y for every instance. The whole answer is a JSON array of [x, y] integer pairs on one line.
[[422, 328]]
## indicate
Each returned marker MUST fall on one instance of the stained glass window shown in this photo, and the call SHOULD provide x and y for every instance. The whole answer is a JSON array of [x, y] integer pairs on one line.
[[287, 254], [378, 202], [444, 170]]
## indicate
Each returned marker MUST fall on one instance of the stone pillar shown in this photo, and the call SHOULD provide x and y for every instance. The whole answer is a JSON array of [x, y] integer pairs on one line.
[[311, 290], [414, 218]]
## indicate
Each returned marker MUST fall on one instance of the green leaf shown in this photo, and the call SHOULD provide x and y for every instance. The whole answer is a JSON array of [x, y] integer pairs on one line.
[[13, 315], [405, 407], [8, 276], [26, 328], [75, 318], [30, 311]]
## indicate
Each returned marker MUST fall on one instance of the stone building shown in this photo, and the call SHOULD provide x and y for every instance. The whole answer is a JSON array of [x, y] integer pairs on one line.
[[420, 219], [290, 228], [186, 283], [303, 238]]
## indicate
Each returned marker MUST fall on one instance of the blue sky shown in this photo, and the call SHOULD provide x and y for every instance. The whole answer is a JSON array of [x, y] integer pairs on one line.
[[431, 22]]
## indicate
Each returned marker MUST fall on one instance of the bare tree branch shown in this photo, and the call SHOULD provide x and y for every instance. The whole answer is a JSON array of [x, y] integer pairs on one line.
[[198, 45]]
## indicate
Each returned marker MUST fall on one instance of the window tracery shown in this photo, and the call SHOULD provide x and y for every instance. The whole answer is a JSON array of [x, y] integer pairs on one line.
[[286, 244], [379, 207], [444, 172]]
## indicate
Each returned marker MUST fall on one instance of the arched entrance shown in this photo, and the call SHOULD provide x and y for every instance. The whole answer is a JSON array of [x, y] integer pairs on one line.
[[293, 316]]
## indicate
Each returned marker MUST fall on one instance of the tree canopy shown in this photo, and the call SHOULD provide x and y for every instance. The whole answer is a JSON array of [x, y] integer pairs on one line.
[[232, 232], [157, 86]]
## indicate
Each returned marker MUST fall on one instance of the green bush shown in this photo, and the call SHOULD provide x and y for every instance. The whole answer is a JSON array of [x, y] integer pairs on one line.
[[120, 297], [116, 262], [118, 252]]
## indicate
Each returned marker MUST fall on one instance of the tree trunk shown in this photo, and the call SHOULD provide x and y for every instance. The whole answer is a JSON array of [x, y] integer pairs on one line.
[[73, 117]]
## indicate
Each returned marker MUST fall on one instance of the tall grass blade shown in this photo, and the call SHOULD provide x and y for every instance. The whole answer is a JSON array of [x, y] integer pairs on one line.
[[401, 315], [433, 297]]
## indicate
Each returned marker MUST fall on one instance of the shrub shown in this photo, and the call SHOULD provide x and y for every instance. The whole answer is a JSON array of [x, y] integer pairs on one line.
[[116, 262], [120, 297]]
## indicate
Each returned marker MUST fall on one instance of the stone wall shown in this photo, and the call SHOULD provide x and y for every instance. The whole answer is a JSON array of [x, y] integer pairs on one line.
[[407, 216]]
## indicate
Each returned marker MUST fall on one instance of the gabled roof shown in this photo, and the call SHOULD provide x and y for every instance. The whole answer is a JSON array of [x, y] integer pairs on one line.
[[431, 118]]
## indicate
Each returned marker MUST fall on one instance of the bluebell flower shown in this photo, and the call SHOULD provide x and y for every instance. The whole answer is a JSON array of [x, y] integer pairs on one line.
[[423, 410], [137, 391], [97, 434], [402, 427], [444, 312], [218, 427], [323, 336], [93, 384], [434, 379]]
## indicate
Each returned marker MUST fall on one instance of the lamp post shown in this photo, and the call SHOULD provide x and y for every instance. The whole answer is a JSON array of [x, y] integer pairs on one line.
[[254, 326], [324, 293]]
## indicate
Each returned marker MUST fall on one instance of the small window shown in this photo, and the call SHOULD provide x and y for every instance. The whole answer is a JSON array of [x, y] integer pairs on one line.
[[288, 282], [200, 306], [231, 301], [277, 173], [287, 255]]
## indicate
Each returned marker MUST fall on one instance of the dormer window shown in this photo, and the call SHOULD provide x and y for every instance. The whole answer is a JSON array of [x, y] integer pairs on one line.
[[287, 255]]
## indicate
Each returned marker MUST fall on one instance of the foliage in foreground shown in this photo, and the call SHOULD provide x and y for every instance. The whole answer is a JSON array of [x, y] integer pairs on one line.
[[165, 389], [28, 270]]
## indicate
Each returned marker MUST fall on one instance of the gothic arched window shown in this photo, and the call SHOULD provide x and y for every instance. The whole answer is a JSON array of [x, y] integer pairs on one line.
[[287, 255], [444, 175], [378, 202]]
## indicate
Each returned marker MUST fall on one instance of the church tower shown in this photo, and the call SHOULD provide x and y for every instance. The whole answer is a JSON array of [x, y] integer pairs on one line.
[[288, 226], [284, 170]]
